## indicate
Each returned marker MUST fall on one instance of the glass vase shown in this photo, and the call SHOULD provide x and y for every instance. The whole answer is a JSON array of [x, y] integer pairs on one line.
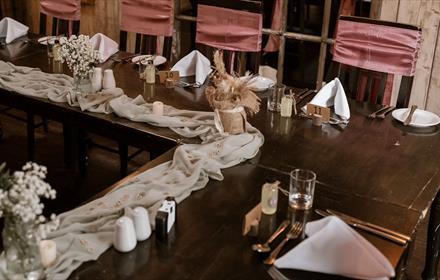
[[21, 250], [82, 85]]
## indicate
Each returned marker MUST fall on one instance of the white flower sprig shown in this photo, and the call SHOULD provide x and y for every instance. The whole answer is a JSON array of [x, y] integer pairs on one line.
[[78, 53], [20, 195]]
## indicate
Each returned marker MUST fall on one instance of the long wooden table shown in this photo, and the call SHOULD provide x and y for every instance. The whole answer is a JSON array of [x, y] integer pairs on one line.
[[378, 171]]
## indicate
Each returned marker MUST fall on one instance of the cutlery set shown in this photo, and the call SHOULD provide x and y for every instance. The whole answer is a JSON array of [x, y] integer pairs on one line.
[[293, 233], [382, 112], [391, 235]]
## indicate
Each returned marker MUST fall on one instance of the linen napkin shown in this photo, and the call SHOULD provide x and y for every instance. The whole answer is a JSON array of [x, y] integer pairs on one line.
[[195, 63], [333, 247], [12, 29], [106, 46], [333, 94]]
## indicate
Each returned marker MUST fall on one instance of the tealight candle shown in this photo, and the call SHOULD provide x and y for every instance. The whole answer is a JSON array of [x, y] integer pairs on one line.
[[169, 83], [157, 108], [317, 120], [48, 252]]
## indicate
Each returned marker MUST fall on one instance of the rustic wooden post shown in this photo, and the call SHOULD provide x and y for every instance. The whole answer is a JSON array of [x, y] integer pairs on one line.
[[282, 49], [323, 49]]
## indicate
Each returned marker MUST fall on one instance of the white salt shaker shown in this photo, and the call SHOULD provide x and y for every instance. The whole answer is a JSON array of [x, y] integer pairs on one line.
[[108, 81], [125, 235], [141, 223], [97, 79]]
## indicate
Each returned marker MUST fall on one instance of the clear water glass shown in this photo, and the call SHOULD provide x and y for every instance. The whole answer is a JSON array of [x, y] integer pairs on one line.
[[302, 188], [276, 92]]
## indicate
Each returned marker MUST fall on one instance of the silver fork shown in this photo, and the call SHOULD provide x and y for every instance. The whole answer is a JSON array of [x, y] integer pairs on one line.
[[294, 232]]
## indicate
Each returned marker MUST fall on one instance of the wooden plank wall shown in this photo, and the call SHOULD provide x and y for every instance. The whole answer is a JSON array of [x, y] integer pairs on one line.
[[426, 14]]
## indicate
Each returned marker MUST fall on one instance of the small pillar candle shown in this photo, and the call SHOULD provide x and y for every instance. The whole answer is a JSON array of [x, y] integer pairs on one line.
[[48, 252], [169, 83], [157, 108]]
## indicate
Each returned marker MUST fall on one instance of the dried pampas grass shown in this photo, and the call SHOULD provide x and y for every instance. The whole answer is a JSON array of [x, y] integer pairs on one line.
[[229, 91]]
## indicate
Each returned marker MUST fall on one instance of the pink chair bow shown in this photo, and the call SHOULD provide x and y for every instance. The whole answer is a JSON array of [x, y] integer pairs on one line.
[[61, 9], [229, 29], [150, 17], [382, 48]]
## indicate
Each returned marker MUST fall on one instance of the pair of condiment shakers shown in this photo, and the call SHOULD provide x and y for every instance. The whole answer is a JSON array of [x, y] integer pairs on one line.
[[102, 82], [129, 230]]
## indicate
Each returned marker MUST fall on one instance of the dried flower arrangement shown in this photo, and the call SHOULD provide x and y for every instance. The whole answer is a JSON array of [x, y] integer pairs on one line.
[[230, 92]]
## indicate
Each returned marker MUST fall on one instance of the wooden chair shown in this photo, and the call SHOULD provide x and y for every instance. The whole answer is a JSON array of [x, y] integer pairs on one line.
[[65, 16], [368, 59], [149, 20], [241, 52]]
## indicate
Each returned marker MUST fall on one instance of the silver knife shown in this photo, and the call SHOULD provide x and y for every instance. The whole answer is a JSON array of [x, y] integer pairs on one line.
[[356, 220], [390, 237]]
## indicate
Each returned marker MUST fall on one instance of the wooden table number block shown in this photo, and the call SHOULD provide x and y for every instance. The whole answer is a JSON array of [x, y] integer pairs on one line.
[[164, 75], [324, 112]]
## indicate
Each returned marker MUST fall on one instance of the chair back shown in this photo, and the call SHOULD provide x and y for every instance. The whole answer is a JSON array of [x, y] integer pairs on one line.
[[61, 9], [379, 46], [229, 29], [148, 17], [65, 13], [376, 46]]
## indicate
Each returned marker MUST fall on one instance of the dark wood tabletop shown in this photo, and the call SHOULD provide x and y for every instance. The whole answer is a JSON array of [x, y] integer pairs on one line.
[[378, 171]]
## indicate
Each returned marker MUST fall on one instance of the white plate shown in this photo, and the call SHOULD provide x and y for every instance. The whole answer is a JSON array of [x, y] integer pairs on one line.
[[43, 40], [260, 83], [159, 60], [421, 118]]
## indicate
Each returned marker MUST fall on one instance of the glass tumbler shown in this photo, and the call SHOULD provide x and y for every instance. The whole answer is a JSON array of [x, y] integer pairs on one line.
[[276, 92], [302, 188]]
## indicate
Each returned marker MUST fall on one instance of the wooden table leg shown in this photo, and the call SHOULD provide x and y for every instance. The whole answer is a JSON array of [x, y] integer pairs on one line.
[[30, 136], [123, 158], [1, 130], [433, 241]]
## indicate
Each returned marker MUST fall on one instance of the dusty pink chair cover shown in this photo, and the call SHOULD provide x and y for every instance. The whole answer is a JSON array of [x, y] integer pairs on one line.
[[150, 17], [377, 47], [229, 29], [273, 44], [62, 9]]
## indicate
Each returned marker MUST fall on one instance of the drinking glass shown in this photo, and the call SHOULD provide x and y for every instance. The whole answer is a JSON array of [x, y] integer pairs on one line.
[[274, 97], [302, 188]]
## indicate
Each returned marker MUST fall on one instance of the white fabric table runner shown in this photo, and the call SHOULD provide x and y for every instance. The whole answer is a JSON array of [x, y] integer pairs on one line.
[[87, 231]]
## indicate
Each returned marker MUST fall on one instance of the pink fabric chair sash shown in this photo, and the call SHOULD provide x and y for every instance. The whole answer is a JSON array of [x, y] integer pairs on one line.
[[150, 17], [61, 9], [273, 44], [377, 47], [229, 29]]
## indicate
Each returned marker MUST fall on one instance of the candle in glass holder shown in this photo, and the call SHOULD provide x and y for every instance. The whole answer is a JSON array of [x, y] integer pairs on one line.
[[48, 252], [157, 108], [150, 73], [269, 198]]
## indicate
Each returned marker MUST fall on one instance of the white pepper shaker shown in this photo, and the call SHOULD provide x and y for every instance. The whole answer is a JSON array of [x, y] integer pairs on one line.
[[125, 235], [108, 81], [141, 223], [97, 79]]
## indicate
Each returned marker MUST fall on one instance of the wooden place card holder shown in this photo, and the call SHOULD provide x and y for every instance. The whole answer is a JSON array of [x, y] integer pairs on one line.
[[324, 112], [169, 75], [251, 221]]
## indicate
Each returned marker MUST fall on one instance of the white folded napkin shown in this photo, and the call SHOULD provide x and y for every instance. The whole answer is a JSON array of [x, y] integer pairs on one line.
[[333, 94], [195, 63], [12, 29], [333, 247], [106, 46]]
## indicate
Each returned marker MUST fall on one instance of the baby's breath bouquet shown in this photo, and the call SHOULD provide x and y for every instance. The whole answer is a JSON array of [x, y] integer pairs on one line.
[[79, 54], [25, 225]]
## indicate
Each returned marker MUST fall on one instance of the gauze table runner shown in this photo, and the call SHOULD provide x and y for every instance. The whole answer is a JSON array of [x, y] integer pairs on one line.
[[87, 231]]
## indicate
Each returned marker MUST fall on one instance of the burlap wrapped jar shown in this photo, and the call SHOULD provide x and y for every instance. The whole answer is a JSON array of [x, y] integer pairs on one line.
[[232, 121]]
